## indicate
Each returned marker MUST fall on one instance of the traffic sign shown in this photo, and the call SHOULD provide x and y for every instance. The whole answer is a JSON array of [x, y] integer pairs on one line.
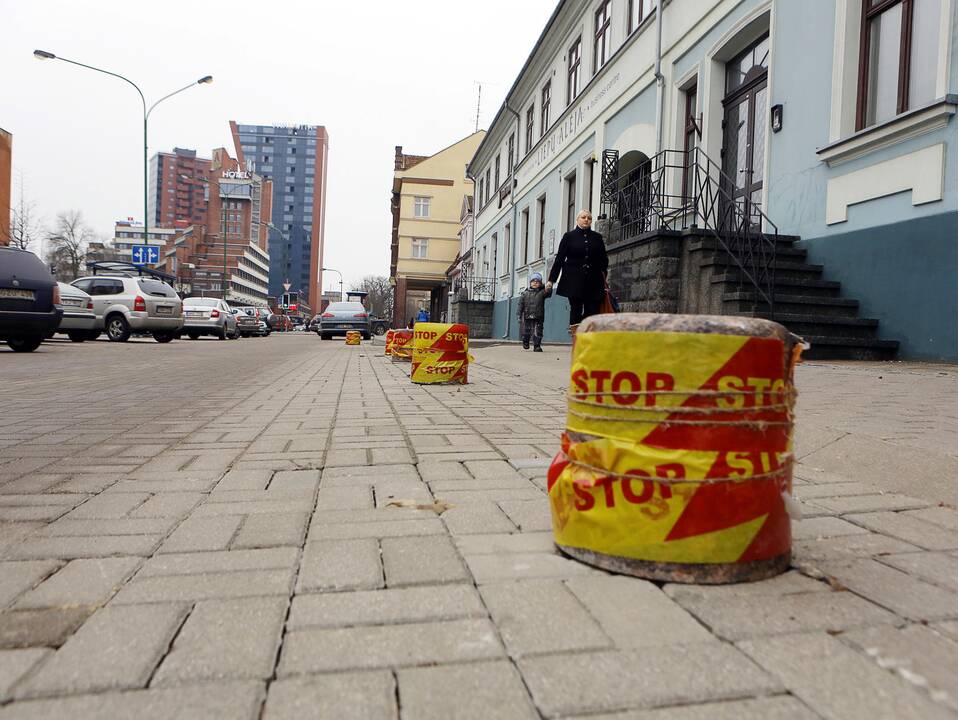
[[146, 254], [287, 286]]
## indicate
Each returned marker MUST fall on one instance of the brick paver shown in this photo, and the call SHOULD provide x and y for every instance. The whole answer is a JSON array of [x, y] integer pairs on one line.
[[247, 544]]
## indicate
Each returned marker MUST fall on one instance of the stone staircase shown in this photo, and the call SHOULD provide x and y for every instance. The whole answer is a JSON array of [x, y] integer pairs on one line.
[[805, 303]]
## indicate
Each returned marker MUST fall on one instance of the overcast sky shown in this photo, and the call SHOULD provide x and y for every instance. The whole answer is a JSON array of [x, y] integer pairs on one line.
[[376, 74]]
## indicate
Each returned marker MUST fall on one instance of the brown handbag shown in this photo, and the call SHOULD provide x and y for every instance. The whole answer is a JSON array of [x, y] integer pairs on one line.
[[609, 302]]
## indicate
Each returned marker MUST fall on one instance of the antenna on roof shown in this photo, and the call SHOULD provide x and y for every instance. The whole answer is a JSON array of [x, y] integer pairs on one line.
[[478, 105]]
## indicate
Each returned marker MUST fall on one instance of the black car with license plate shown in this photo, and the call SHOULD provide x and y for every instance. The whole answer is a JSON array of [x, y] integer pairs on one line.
[[29, 300]]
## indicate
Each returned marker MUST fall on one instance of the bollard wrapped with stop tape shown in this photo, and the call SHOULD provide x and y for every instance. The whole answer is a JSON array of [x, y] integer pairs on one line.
[[353, 337], [390, 335], [676, 462], [440, 354], [402, 345]]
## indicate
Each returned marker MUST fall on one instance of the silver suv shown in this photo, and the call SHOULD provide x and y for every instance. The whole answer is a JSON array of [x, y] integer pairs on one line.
[[130, 304]]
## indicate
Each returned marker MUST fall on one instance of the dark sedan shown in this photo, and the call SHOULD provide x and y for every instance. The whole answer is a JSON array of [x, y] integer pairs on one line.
[[29, 300], [341, 317]]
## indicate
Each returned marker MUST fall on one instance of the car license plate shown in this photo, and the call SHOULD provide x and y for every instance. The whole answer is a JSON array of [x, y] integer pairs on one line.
[[17, 293], [344, 326], [71, 303], [164, 310], [188, 314]]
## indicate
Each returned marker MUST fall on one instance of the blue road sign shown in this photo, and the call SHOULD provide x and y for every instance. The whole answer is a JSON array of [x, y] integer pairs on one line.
[[146, 254]]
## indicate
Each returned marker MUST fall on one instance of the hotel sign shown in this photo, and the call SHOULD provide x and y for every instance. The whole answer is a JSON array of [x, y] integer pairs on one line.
[[240, 174]]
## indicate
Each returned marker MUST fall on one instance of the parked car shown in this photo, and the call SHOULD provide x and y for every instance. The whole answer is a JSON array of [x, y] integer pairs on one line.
[[29, 300], [78, 316], [280, 323], [379, 326], [246, 323], [208, 316], [341, 317], [126, 302], [251, 321]]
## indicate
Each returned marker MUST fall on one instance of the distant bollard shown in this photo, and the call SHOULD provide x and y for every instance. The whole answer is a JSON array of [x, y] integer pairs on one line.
[[440, 354], [390, 335], [402, 345]]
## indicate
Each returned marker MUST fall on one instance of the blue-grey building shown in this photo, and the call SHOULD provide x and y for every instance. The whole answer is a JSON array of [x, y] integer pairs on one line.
[[294, 158], [772, 157]]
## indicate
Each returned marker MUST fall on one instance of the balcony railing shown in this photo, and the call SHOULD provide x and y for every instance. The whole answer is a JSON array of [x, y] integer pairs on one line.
[[471, 287]]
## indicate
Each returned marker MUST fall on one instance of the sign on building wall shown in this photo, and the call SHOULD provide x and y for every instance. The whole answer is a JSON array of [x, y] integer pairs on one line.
[[569, 128]]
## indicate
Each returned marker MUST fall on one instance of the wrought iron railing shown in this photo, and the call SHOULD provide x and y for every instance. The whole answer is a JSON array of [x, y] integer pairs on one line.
[[471, 287], [677, 190]]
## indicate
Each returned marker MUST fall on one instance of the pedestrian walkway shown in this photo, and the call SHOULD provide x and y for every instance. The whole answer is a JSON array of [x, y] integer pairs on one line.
[[310, 535]]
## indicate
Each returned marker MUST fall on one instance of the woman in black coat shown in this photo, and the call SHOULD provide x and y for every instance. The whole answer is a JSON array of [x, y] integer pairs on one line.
[[582, 260]]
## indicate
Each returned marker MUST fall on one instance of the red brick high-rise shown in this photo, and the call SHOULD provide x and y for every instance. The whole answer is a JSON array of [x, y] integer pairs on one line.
[[177, 191]]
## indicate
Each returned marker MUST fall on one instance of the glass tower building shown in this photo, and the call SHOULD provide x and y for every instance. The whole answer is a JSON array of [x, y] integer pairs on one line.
[[294, 158]]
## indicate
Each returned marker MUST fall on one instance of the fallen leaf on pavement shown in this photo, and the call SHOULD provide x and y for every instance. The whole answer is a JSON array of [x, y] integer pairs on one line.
[[438, 507]]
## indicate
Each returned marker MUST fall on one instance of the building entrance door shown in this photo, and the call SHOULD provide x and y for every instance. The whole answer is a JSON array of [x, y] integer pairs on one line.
[[744, 132]]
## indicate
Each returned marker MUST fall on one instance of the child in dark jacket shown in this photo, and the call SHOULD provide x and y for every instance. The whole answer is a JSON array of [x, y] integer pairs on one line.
[[532, 312]]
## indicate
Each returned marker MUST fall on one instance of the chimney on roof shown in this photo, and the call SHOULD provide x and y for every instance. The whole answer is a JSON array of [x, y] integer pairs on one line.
[[399, 164]]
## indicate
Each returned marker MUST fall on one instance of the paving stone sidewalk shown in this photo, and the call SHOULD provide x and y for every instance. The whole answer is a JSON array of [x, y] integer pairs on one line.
[[240, 536]]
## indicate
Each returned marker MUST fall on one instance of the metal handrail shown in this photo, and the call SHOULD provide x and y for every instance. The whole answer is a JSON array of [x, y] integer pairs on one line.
[[678, 190]]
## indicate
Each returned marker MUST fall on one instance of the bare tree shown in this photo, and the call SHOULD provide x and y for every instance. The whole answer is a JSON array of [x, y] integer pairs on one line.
[[380, 297], [24, 229], [69, 241]]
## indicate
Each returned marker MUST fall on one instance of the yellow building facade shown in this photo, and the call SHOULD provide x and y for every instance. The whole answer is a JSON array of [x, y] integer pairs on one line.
[[427, 198]]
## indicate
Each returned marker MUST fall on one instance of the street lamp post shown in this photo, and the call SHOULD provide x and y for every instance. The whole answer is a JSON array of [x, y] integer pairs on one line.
[[283, 237], [341, 296], [206, 79]]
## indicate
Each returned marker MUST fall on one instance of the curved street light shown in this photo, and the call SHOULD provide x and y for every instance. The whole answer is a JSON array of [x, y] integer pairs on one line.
[[205, 80], [341, 296]]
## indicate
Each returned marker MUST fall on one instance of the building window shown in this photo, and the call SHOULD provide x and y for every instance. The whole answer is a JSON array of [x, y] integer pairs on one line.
[[541, 234], [512, 153], [506, 250], [570, 202], [639, 10], [496, 186], [524, 229], [691, 134], [575, 70], [602, 45], [899, 58], [544, 111], [421, 207], [482, 187], [488, 185], [420, 248], [495, 245], [530, 120]]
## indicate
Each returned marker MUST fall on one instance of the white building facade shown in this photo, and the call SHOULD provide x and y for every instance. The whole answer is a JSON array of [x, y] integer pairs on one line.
[[826, 123]]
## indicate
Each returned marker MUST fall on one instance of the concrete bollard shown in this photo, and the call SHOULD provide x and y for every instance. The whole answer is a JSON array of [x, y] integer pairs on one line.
[[676, 462], [440, 354]]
